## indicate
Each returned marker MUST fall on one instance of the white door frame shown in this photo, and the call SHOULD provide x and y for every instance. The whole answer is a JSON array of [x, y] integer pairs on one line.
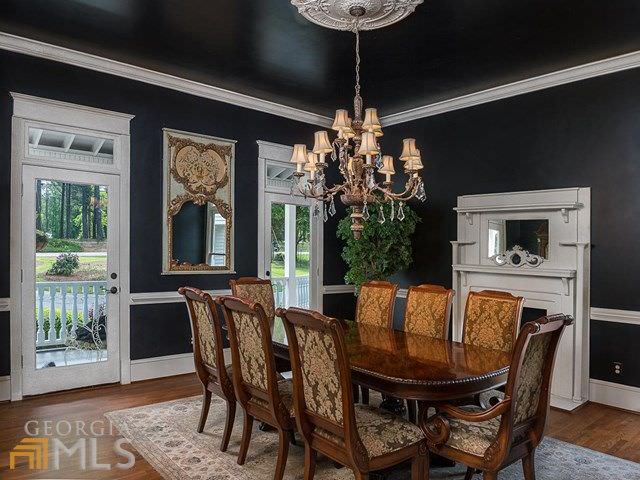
[[29, 111], [274, 153]]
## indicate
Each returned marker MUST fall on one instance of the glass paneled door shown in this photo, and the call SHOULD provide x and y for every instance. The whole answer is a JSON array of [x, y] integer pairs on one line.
[[70, 279], [290, 259]]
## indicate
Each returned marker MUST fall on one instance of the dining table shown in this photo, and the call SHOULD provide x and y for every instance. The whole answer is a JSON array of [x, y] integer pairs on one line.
[[410, 366]]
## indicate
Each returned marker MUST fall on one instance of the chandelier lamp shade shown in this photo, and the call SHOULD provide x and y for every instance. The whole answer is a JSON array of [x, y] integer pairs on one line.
[[366, 172]]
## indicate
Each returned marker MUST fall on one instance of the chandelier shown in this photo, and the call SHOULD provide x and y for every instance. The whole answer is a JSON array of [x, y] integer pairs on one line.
[[366, 172]]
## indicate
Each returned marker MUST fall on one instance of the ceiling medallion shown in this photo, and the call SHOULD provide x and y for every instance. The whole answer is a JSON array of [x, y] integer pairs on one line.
[[346, 14], [356, 148]]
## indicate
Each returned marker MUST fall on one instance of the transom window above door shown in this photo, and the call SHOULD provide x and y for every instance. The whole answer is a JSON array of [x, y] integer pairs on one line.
[[70, 146]]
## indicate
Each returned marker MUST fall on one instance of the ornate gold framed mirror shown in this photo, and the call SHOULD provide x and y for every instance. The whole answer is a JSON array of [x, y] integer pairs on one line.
[[198, 203]]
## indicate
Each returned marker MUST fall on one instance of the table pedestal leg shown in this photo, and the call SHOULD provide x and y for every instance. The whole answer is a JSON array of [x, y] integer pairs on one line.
[[393, 405]]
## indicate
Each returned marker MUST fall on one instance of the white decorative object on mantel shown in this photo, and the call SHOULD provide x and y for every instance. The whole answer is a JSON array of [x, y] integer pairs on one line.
[[517, 257], [559, 282]]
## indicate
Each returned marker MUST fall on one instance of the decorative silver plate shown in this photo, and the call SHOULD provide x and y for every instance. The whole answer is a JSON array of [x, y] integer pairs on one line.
[[345, 14]]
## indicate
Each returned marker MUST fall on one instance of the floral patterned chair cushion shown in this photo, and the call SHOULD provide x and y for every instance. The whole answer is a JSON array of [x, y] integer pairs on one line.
[[374, 305], [285, 388], [491, 322], [426, 313], [206, 337], [381, 432], [261, 293], [253, 363], [320, 373], [472, 437]]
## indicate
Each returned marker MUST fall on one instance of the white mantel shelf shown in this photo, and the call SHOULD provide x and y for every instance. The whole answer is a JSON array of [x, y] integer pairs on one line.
[[525, 271], [520, 207]]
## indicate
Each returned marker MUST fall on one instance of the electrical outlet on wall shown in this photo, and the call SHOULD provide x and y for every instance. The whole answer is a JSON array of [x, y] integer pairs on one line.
[[617, 368]]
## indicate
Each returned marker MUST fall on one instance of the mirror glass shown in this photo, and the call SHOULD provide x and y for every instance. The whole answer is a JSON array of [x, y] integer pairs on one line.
[[531, 235], [199, 235]]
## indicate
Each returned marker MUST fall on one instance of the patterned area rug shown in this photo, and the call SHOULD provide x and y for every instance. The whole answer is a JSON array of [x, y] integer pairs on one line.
[[165, 435]]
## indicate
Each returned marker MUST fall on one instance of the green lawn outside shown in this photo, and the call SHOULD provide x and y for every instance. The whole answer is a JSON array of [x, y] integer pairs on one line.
[[91, 268]]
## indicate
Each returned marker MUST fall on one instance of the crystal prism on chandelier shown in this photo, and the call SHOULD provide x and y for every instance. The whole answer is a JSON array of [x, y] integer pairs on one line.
[[357, 150]]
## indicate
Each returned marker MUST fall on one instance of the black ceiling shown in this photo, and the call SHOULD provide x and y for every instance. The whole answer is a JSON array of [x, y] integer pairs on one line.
[[264, 48]]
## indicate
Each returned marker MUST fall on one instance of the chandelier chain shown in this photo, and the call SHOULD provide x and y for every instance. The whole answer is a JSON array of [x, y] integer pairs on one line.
[[357, 61]]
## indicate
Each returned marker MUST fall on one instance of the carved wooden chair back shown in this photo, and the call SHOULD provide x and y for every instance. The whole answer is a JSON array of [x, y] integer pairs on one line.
[[428, 310], [206, 331], [254, 371], [491, 319], [376, 301], [257, 290], [323, 397]]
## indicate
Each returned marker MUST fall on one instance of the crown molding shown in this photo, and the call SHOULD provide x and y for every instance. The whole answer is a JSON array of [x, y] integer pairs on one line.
[[553, 79], [26, 46], [48, 51]]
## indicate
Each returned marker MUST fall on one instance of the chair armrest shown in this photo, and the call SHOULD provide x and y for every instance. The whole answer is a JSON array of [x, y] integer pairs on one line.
[[495, 411]]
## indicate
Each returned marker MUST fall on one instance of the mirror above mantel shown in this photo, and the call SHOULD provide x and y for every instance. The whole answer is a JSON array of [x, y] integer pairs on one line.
[[198, 203]]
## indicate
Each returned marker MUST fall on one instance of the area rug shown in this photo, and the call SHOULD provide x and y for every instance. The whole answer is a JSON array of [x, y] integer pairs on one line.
[[165, 435]]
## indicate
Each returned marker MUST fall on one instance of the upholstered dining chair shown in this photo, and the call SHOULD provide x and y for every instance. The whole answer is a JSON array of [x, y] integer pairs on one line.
[[427, 312], [491, 320], [376, 301], [262, 393], [256, 290], [208, 355], [489, 440], [361, 437]]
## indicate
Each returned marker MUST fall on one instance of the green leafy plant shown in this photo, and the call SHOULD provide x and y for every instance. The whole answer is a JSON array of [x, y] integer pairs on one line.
[[59, 245], [65, 265], [384, 248]]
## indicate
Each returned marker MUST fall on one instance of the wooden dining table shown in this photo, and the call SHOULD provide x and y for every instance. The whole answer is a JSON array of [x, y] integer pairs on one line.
[[414, 367]]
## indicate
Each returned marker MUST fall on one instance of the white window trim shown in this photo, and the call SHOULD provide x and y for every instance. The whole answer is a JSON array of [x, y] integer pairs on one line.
[[28, 111]]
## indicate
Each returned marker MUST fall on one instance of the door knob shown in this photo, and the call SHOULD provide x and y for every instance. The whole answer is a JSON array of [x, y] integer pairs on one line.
[[113, 290], [267, 273]]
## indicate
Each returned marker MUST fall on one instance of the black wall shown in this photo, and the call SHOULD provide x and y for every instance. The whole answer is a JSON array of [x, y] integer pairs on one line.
[[582, 134], [156, 329]]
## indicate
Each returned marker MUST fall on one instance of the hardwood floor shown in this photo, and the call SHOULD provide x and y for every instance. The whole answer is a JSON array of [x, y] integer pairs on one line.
[[594, 426]]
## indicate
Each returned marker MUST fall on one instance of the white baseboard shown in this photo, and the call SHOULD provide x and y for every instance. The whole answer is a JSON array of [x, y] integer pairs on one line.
[[614, 394], [156, 367], [565, 403], [167, 366], [5, 388]]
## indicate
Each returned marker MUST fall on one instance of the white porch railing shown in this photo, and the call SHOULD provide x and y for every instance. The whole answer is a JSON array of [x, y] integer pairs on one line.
[[285, 287], [66, 299]]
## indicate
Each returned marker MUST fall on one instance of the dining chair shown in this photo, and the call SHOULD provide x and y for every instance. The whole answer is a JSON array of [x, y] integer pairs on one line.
[[376, 301], [262, 393], [427, 312], [214, 374], [361, 437], [491, 320], [256, 290], [489, 440]]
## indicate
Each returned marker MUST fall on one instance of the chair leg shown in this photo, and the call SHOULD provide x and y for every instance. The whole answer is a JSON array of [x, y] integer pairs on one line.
[[246, 438], [420, 467], [204, 413], [228, 426], [529, 467], [412, 407], [358, 475], [365, 395], [309, 462], [490, 475], [470, 473], [283, 453], [356, 393]]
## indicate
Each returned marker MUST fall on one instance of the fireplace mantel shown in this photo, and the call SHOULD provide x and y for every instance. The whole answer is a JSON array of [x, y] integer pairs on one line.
[[557, 283]]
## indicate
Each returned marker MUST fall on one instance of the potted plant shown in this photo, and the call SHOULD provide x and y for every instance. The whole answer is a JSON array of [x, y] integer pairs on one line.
[[384, 248]]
